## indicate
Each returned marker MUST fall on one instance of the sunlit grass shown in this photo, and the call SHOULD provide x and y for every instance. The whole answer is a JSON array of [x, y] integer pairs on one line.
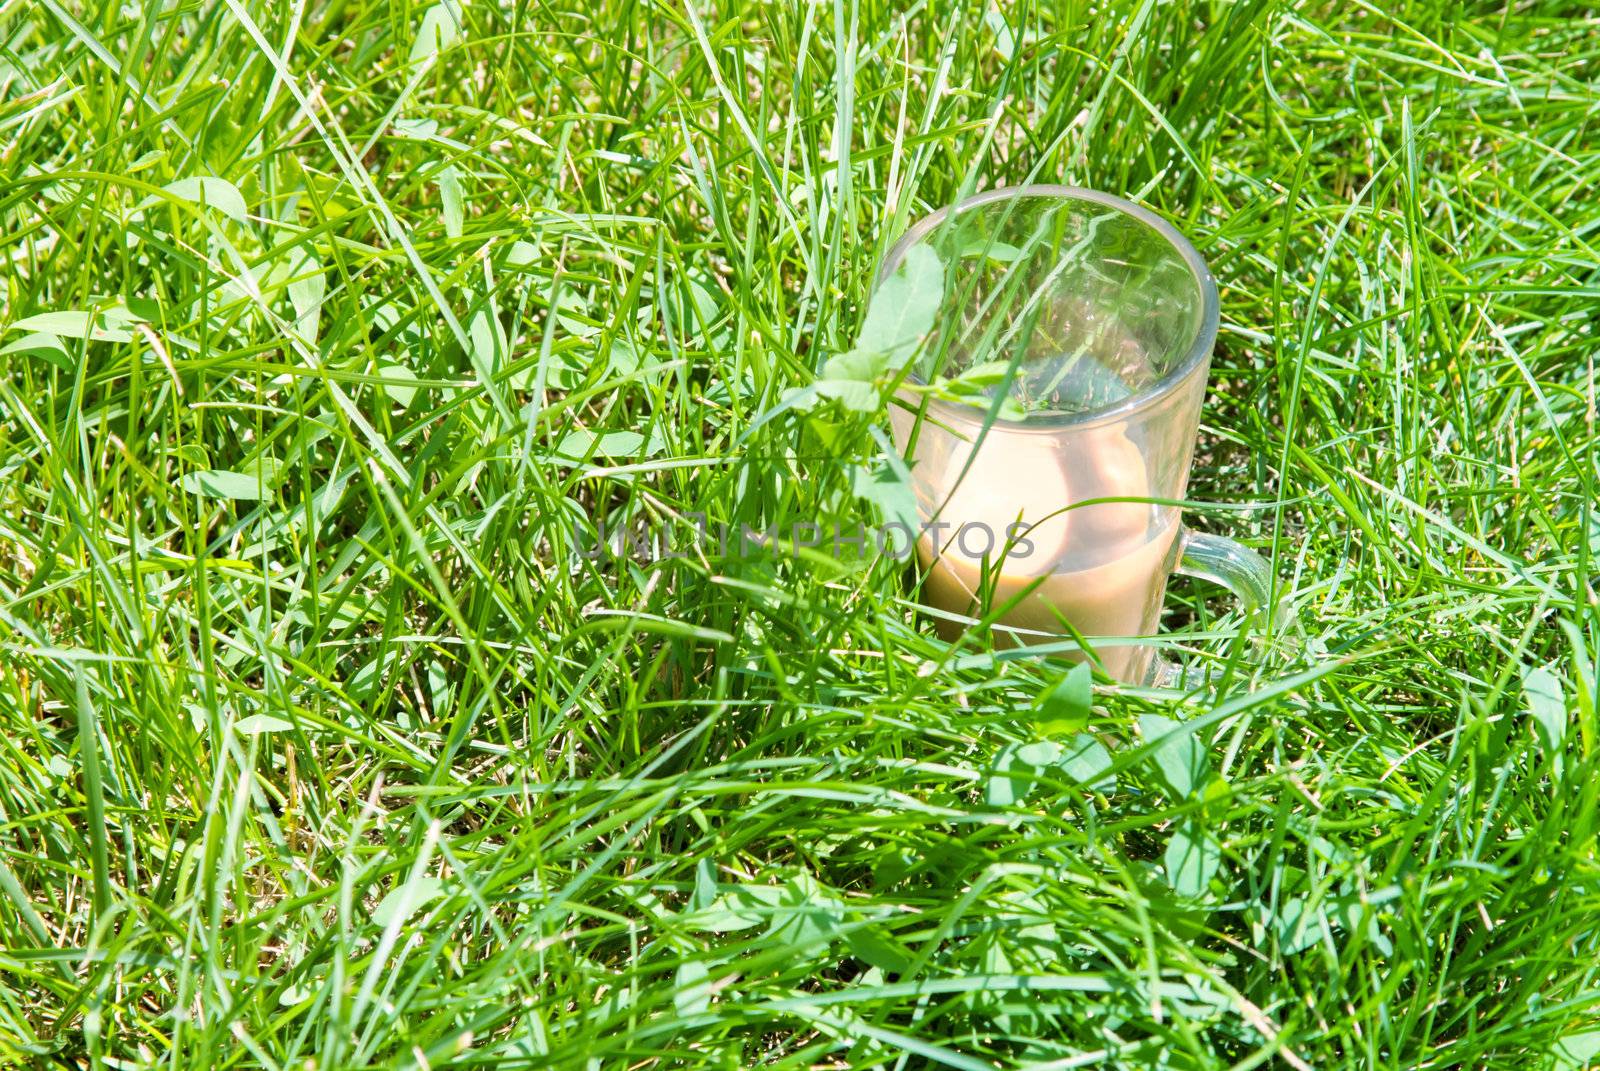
[[332, 332]]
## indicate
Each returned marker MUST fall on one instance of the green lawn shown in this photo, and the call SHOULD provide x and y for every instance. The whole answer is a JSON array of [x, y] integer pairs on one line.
[[333, 331]]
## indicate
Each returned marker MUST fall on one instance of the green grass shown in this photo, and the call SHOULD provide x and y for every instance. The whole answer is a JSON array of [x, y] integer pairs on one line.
[[322, 747]]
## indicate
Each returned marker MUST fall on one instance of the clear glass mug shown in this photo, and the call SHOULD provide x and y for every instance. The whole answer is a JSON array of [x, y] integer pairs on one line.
[[1049, 422]]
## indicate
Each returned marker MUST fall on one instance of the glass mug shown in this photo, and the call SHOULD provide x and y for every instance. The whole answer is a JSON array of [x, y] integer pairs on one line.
[[1050, 418]]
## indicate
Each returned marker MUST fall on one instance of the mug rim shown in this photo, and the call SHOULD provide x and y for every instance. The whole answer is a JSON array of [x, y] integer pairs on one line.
[[1198, 353]]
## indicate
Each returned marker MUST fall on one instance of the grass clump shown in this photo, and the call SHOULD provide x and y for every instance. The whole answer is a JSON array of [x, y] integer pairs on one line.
[[334, 331]]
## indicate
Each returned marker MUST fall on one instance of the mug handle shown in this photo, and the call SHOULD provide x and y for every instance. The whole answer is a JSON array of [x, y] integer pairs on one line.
[[1246, 574]]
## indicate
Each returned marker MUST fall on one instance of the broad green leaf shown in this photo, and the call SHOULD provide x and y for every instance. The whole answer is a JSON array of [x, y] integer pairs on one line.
[[566, 367], [691, 307], [855, 366], [705, 884], [522, 254], [366, 679], [615, 1004], [738, 908], [45, 346], [488, 340], [404, 901], [1005, 42], [903, 308], [726, 915], [489, 352], [611, 444], [439, 689], [1546, 703], [852, 394], [993, 250], [1192, 858], [1064, 707], [624, 359], [1086, 761], [386, 315], [307, 287], [692, 992], [332, 493], [1577, 1050], [802, 398], [876, 949], [1180, 760], [884, 488], [978, 379], [209, 191], [1350, 912], [960, 392], [1015, 769], [806, 913], [900, 314], [1297, 925], [267, 467], [420, 129], [851, 378], [261, 723], [441, 28], [221, 483], [1039, 753], [570, 310], [450, 201], [108, 324], [397, 384]]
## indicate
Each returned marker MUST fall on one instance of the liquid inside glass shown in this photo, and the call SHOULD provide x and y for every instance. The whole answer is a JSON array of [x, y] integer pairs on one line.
[[1022, 524], [1061, 377]]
